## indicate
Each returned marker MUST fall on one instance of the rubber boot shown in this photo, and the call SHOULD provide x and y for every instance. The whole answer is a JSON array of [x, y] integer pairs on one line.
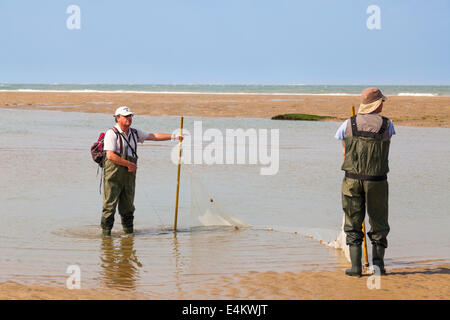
[[355, 257], [378, 257], [128, 230], [106, 232]]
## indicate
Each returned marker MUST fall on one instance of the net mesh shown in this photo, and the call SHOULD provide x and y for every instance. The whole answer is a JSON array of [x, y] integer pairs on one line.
[[340, 242], [206, 210]]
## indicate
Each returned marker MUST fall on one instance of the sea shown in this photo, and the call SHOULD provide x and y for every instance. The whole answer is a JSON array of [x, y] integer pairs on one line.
[[294, 89]]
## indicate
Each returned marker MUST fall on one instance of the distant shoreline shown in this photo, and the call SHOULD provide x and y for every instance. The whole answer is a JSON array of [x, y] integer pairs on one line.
[[191, 92], [230, 89], [401, 94], [420, 111]]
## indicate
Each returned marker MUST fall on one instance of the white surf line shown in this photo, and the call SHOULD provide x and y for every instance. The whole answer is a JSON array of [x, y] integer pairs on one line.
[[333, 94], [184, 92]]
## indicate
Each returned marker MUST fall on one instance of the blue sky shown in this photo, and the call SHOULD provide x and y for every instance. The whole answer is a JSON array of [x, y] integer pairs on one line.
[[225, 41]]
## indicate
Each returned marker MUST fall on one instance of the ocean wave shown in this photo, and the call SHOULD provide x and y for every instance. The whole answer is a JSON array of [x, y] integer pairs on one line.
[[184, 92], [414, 94], [207, 91]]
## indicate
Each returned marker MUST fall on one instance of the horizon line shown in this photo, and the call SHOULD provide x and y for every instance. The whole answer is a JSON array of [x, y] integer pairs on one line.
[[214, 84]]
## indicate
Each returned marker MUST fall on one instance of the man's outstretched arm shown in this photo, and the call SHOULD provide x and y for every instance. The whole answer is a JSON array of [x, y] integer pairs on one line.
[[161, 137]]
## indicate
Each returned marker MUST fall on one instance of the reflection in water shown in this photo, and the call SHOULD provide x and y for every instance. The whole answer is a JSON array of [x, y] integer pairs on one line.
[[120, 266], [178, 265]]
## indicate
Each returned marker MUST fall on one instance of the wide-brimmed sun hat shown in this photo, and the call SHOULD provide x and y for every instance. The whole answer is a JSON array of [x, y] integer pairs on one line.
[[371, 99], [123, 111]]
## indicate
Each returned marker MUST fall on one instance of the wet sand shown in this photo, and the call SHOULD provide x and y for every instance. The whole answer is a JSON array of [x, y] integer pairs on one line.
[[14, 291], [403, 284], [406, 283], [411, 111]]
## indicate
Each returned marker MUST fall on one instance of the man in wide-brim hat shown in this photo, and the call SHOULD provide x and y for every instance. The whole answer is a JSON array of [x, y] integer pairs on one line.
[[366, 139]]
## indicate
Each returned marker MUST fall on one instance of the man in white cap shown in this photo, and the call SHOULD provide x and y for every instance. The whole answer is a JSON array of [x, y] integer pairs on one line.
[[119, 173], [366, 139]]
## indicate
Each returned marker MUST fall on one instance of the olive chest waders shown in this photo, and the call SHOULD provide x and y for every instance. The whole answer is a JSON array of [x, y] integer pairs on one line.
[[118, 189], [364, 187]]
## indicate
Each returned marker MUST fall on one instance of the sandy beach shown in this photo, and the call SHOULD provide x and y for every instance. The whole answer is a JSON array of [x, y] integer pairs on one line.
[[410, 111], [424, 283]]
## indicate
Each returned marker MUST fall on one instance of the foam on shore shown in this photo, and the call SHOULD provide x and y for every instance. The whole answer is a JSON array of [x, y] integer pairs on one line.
[[401, 94]]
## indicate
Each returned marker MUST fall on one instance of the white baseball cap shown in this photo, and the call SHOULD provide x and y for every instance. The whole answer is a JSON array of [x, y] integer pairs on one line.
[[123, 111]]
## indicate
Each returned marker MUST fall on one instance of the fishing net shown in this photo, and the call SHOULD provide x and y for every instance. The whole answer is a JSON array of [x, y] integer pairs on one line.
[[205, 210], [340, 242]]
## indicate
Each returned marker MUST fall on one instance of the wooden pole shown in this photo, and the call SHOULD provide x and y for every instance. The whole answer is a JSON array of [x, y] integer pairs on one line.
[[366, 258], [178, 176]]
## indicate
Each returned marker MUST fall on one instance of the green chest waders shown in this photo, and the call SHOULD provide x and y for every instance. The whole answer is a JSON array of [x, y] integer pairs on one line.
[[118, 190], [365, 184]]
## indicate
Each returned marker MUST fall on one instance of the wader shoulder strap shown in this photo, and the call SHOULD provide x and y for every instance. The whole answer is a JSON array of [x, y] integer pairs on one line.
[[384, 126], [136, 133], [126, 140], [354, 128], [120, 140], [135, 139], [378, 135]]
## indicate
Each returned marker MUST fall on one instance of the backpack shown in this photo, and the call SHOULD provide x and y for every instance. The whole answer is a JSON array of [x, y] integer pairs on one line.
[[97, 152]]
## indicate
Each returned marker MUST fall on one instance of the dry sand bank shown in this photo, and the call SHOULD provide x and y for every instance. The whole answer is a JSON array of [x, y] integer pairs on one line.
[[406, 283], [412, 111]]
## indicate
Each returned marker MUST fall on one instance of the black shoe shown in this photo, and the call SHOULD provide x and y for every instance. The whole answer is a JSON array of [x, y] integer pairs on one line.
[[378, 258], [355, 257]]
